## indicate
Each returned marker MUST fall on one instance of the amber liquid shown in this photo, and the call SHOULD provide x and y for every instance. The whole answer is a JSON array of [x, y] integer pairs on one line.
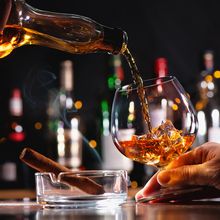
[[14, 36], [157, 148]]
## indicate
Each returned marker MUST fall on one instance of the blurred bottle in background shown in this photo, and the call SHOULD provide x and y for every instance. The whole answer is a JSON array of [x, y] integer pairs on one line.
[[69, 138], [208, 105], [12, 173], [112, 158], [66, 135]]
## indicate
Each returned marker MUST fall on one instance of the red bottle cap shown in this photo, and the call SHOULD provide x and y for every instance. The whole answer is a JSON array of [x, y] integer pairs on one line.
[[161, 67], [16, 93]]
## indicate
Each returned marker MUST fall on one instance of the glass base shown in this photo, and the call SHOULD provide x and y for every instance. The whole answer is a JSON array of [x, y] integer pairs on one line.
[[111, 200], [182, 194]]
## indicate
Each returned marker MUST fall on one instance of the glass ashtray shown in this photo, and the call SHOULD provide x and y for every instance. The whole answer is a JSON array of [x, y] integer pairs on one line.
[[82, 189]]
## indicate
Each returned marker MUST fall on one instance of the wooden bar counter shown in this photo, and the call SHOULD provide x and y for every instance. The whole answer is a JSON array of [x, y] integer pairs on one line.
[[130, 210], [20, 204]]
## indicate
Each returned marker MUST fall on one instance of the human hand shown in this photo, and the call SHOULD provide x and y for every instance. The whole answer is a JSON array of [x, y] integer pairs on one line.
[[201, 166]]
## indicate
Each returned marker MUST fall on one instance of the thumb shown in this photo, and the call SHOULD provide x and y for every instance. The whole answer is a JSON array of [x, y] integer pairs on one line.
[[185, 175]]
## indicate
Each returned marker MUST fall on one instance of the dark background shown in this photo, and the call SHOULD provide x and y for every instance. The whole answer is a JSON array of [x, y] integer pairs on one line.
[[178, 30]]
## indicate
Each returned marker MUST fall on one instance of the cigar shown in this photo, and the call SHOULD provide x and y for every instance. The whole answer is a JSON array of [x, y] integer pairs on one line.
[[44, 164]]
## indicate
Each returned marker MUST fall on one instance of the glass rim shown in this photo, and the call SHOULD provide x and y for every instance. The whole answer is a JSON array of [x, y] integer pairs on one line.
[[147, 83]]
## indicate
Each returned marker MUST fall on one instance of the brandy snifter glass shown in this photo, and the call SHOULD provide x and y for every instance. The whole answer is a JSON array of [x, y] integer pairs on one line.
[[173, 121]]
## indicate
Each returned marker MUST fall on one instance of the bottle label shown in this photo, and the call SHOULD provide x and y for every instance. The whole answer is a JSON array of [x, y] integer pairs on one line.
[[8, 171], [69, 145], [112, 158], [17, 136], [16, 107], [157, 116], [214, 134]]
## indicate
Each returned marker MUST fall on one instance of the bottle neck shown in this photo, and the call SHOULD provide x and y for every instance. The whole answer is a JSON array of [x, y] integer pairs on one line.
[[16, 133], [105, 117], [116, 39], [208, 62], [66, 76], [66, 86], [115, 79]]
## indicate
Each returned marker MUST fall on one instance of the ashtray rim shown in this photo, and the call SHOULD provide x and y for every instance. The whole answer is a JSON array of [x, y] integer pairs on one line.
[[91, 173]]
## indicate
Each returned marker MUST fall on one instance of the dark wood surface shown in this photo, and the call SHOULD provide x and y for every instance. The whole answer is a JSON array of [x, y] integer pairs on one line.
[[203, 210]]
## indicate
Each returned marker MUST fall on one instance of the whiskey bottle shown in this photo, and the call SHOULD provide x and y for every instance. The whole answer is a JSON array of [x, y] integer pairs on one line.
[[11, 169], [69, 138], [112, 158], [21, 24], [208, 104]]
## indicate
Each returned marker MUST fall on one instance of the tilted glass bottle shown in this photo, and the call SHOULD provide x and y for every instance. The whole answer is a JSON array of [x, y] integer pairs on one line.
[[21, 24]]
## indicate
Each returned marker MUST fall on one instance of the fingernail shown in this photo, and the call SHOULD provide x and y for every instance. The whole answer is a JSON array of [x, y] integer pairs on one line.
[[163, 177], [139, 195]]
